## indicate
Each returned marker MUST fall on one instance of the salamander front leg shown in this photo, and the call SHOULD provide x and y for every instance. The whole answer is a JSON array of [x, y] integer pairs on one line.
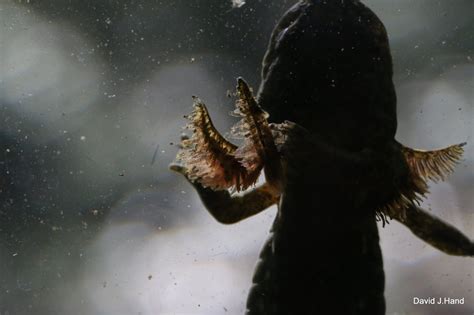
[[436, 232], [228, 209]]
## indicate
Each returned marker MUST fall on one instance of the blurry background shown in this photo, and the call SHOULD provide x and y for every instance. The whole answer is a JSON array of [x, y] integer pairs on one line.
[[92, 95]]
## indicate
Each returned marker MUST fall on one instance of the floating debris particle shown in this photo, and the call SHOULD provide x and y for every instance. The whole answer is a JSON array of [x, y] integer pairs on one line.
[[153, 159], [237, 3]]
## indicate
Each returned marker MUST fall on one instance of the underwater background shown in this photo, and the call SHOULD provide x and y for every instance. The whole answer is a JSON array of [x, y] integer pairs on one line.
[[92, 98]]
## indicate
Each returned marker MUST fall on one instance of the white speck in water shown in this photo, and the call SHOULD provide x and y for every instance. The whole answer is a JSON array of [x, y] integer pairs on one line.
[[83, 138], [237, 3]]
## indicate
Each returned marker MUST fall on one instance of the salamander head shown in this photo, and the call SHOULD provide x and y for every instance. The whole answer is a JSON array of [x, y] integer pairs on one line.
[[328, 68]]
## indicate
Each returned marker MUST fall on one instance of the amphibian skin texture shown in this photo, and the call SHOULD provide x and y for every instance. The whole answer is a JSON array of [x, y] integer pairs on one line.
[[331, 163]]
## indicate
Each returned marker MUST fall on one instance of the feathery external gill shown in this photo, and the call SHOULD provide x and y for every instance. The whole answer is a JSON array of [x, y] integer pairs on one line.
[[208, 156], [215, 162], [434, 165], [423, 165]]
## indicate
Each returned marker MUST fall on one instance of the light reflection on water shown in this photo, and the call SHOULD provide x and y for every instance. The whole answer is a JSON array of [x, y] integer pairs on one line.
[[201, 268]]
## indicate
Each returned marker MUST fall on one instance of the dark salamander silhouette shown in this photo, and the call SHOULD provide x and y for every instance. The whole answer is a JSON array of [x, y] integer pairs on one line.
[[331, 164]]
